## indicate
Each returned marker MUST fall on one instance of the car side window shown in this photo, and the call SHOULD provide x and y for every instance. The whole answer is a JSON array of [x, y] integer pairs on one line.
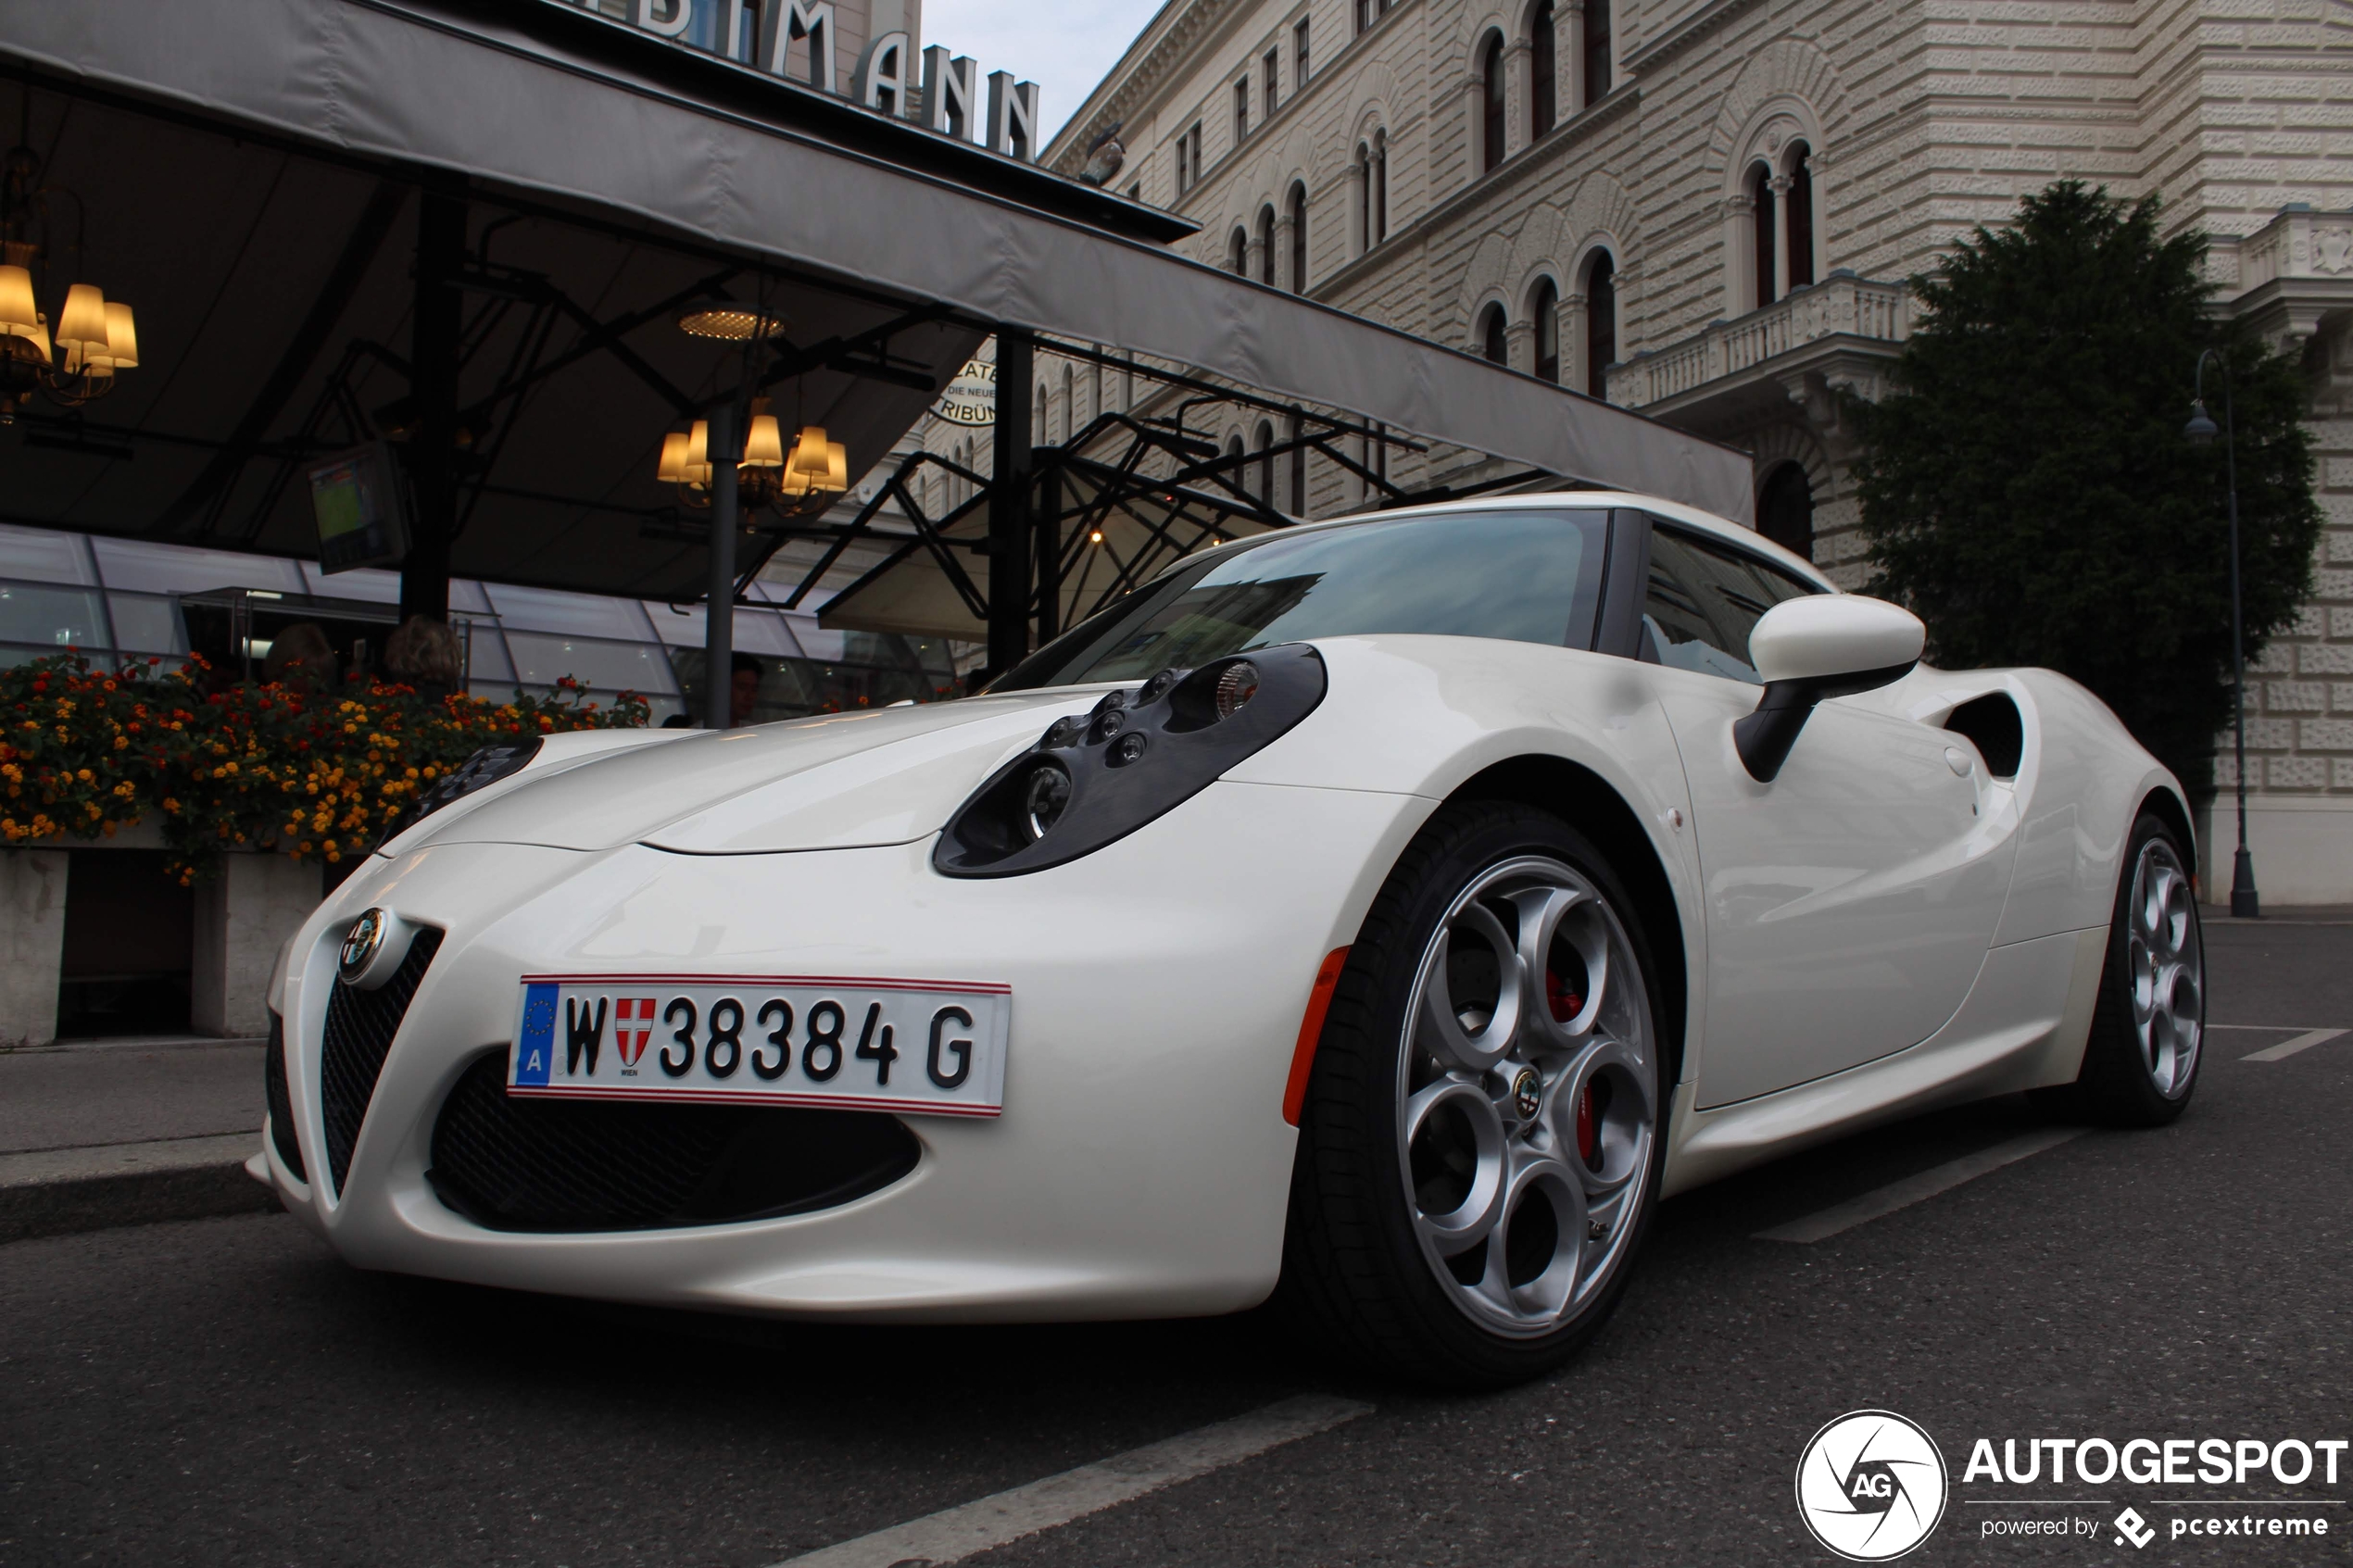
[[1704, 600]]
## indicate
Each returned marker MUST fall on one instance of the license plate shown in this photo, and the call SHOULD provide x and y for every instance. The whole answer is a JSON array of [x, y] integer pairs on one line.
[[921, 1046]]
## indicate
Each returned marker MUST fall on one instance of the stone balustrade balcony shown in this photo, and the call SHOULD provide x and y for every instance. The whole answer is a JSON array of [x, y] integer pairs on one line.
[[2288, 276], [1843, 330]]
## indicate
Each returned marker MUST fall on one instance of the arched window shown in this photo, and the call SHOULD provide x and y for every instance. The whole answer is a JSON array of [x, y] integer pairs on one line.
[[1596, 50], [1267, 246], [1601, 324], [1544, 70], [1265, 446], [1760, 195], [1545, 309], [1238, 252], [1237, 473], [1490, 82], [1801, 216], [1299, 237], [1785, 509], [1363, 196], [1298, 472], [1492, 342], [1040, 433], [1070, 403], [1380, 186]]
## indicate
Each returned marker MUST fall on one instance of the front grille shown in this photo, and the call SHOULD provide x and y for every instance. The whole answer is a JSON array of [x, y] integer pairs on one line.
[[359, 1029], [513, 1164], [273, 1085]]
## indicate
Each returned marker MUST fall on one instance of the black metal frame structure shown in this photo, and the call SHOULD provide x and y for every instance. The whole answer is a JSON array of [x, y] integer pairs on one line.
[[1193, 495]]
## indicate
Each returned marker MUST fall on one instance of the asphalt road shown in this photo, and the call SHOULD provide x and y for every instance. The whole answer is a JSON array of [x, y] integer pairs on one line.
[[226, 1392]]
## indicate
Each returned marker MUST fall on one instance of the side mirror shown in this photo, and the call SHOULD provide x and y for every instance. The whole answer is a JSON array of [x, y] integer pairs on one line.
[[1815, 648]]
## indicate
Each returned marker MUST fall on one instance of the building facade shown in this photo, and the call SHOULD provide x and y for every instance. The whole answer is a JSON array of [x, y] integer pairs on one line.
[[1707, 209]]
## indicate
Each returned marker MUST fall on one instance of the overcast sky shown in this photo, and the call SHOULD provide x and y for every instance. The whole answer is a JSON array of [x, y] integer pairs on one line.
[[1066, 46]]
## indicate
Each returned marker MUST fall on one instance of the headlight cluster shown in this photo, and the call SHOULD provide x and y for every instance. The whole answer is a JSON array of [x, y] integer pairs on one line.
[[482, 769], [1098, 776]]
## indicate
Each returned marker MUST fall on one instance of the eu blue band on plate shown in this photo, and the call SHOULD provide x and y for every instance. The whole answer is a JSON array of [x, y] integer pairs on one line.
[[535, 1042]]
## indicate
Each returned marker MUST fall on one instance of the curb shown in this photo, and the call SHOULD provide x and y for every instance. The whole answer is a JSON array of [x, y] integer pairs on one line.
[[66, 1192]]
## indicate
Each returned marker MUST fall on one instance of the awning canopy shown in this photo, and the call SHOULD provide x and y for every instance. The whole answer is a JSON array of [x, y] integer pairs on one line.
[[248, 164]]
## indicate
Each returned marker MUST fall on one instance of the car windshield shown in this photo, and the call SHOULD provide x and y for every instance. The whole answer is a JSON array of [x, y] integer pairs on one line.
[[1523, 576]]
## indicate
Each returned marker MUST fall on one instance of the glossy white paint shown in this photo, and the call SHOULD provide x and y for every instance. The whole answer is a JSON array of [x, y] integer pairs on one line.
[[1849, 902], [1141, 1164], [1873, 933], [1833, 634], [2023, 1026]]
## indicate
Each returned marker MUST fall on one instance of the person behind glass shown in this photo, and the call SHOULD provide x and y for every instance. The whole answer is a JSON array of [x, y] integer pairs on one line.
[[301, 661], [423, 653], [743, 690]]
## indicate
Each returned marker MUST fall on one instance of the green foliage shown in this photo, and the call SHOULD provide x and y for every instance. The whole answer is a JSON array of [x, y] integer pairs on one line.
[[2027, 489]]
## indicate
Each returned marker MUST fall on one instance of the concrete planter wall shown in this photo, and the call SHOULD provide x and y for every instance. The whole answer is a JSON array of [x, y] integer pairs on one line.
[[243, 915]]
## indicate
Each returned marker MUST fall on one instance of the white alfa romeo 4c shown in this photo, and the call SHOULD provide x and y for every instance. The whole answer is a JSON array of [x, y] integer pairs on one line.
[[1387, 913]]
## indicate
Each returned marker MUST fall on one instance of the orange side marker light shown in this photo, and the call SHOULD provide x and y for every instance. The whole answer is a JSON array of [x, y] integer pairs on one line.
[[1311, 1030]]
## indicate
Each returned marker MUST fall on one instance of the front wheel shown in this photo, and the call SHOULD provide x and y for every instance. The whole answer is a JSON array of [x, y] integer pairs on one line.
[[1480, 1144]]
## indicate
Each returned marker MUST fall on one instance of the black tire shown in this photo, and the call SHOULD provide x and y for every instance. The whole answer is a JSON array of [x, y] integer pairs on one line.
[[1355, 1279], [2119, 1086]]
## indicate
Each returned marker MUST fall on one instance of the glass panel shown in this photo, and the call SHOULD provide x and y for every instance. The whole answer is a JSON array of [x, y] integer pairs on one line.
[[378, 588], [585, 615], [678, 625], [51, 618], [42, 554], [1705, 599], [487, 655], [18, 654], [763, 632], [757, 631], [181, 568], [541, 658], [147, 624], [1526, 577], [818, 643]]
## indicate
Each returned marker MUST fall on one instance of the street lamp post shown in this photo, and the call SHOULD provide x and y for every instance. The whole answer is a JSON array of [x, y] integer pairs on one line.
[[2245, 905]]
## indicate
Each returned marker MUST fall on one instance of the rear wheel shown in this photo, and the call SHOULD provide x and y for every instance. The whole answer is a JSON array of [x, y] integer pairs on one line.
[[1481, 1143], [2148, 1031]]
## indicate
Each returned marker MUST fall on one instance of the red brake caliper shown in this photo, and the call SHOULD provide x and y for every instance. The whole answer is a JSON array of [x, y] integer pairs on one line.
[[1567, 1004]]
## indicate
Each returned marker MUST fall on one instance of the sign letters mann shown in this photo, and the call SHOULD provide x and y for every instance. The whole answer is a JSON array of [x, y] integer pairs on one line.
[[808, 41]]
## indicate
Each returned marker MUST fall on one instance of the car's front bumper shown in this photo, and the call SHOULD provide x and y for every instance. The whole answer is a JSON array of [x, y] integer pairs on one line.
[[1141, 1165]]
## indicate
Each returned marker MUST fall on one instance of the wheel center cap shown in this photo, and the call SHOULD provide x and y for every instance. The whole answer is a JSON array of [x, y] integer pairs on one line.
[[1527, 1092]]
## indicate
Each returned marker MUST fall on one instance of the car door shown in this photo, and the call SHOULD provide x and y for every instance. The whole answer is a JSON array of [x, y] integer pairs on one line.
[[1849, 902]]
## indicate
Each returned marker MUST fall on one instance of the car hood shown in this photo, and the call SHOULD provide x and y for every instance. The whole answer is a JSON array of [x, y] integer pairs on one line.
[[838, 780]]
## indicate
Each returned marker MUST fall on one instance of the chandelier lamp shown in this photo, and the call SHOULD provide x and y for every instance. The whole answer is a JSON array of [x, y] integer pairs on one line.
[[75, 361], [799, 482]]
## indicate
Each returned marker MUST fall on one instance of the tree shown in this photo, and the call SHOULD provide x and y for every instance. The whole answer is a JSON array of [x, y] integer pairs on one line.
[[2028, 492]]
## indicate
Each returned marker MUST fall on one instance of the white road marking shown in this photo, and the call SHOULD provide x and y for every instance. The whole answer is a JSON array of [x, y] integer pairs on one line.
[[2303, 1042], [954, 1534], [1915, 1189]]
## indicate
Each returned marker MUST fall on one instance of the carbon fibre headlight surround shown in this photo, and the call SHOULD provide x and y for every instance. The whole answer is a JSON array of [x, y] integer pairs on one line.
[[1139, 755], [484, 768]]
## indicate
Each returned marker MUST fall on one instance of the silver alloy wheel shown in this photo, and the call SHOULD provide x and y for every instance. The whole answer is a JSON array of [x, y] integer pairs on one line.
[[2168, 963], [1528, 1095]]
